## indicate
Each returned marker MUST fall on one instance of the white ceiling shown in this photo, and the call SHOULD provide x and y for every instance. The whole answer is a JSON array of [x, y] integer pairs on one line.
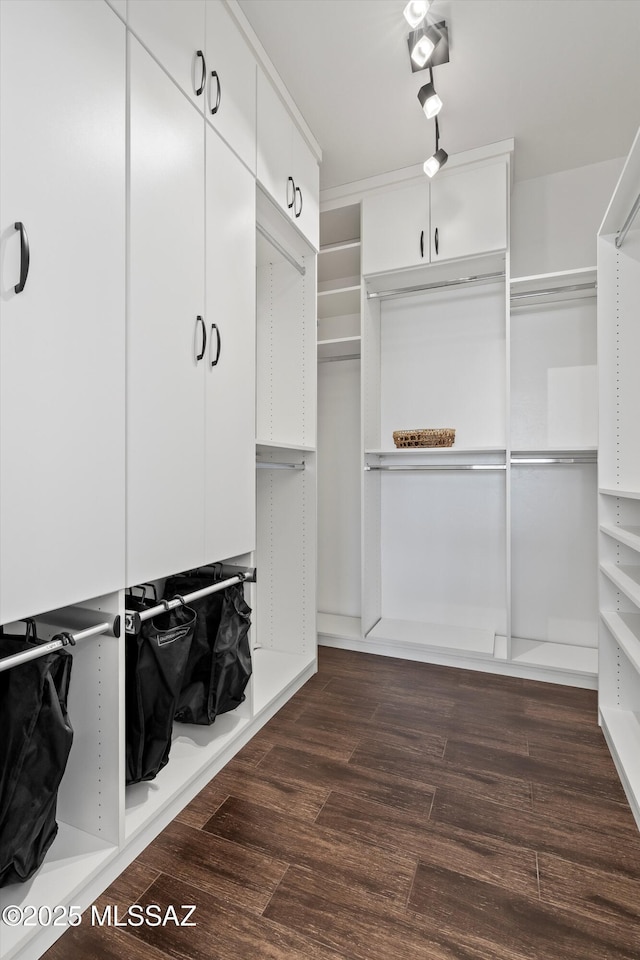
[[560, 76]]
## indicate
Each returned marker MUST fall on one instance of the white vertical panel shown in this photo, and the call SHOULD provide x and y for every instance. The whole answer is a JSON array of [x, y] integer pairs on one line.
[[62, 338], [627, 382], [306, 174]]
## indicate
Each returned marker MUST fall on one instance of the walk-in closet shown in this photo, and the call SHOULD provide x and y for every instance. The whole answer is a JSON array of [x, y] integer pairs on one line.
[[319, 479]]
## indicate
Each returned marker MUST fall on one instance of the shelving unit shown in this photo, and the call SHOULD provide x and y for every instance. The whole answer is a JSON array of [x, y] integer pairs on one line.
[[619, 478]]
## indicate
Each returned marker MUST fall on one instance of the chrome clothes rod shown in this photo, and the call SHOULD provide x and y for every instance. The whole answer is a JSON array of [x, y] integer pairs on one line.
[[300, 267], [273, 465], [626, 226], [545, 460], [59, 641], [133, 618], [437, 466], [441, 285], [553, 291]]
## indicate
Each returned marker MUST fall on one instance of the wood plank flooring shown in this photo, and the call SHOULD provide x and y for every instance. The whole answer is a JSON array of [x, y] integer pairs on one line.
[[397, 809]]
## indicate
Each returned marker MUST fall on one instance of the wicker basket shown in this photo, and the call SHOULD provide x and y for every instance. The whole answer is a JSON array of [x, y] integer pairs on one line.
[[440, 437]]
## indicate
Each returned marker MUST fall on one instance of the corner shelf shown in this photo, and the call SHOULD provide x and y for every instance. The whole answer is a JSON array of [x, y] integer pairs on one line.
[[630, 535], [626, 577], [441, 637], [625, 628], [339, 347], [338, 301]]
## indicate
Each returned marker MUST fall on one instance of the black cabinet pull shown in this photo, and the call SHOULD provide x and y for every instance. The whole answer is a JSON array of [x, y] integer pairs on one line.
[[298, 212], [422, 243], [435, 240], [214, 326], [214, 73], [200, 54], [200, 355], [291, 181], [24, 256]]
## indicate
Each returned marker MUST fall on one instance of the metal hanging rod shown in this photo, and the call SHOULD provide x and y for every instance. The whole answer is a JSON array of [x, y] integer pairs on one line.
[[547, 460], [59, 641], [626, 226], [436, 466], [440, 285], [554, 291], [300, 267], [273, 465], [133, 618]]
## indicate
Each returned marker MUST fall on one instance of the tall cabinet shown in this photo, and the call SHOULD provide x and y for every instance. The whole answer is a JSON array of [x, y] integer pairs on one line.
[[619, 476]]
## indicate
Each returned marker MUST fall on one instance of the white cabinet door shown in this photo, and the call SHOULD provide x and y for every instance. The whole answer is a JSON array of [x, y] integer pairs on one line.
[[174, 32], [231, 83], [469, 212], [275, 144], [306, 175], [395, 229], [230, 358], [165, 381], [61, 338]]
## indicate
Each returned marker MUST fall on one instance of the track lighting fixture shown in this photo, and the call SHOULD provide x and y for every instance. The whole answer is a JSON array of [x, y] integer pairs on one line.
[[439, 158], [415, 12], [429, 100], [422, 43]]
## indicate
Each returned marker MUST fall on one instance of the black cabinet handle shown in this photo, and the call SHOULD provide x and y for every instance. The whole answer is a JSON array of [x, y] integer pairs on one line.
[[435, 240], [200, 355], [200, 54], [24, 256], [214, 326], [422, 243], [291, 181], [298, 212], [214, 73]]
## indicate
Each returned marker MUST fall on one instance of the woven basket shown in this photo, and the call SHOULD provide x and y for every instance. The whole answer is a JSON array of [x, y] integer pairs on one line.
[[440, 437]]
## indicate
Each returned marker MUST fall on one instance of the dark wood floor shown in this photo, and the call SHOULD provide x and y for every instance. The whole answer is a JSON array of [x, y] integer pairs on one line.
[[397, 809]]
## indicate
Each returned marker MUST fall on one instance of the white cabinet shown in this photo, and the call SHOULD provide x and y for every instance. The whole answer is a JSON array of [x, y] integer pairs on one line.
[[395, 229], [174, 32], [191, 359], [231, 85], [62, 337], [165, 378], [469, 212], [286, 167], [230, 358], [461, 213]]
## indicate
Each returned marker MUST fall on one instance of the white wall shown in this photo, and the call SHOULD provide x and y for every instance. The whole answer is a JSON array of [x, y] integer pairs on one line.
[[555, 219]]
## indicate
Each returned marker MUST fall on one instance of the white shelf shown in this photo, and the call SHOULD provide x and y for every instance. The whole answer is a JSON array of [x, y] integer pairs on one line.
[[560, 283], [339, 626], [193, 749], [464, 641], [623, 534], [339, 347], [622, 732], [338, 301], [431, 451], [615, 492], [626, 577], [555, 656], [339, 261], [625, 627], [273, 672], [72, 861], [338, 247], [271, 445]]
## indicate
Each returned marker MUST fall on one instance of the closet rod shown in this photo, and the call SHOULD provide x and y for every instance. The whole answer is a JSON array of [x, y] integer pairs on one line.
[[282, 250], [437, 466], [527, 460], [553, 291], [273, 465], [626, 226], [134, 618], [408, 291], [59, 641]]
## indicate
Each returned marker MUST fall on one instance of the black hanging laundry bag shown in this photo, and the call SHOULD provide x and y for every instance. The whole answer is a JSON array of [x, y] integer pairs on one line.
[[219, 664], [156, 658], [34, 748]]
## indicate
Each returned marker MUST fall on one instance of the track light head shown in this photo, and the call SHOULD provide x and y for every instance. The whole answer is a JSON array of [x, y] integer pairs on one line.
[[434, 163], [415, 12], [429, 100], [422, 43]]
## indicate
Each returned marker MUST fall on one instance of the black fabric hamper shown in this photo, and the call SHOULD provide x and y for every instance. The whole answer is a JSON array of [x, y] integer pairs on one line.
[[219, 665], [34, 749], [156, 658]]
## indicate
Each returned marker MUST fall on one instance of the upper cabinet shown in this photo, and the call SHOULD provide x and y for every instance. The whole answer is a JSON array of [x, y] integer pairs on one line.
[[461, 213], [286, 166]]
